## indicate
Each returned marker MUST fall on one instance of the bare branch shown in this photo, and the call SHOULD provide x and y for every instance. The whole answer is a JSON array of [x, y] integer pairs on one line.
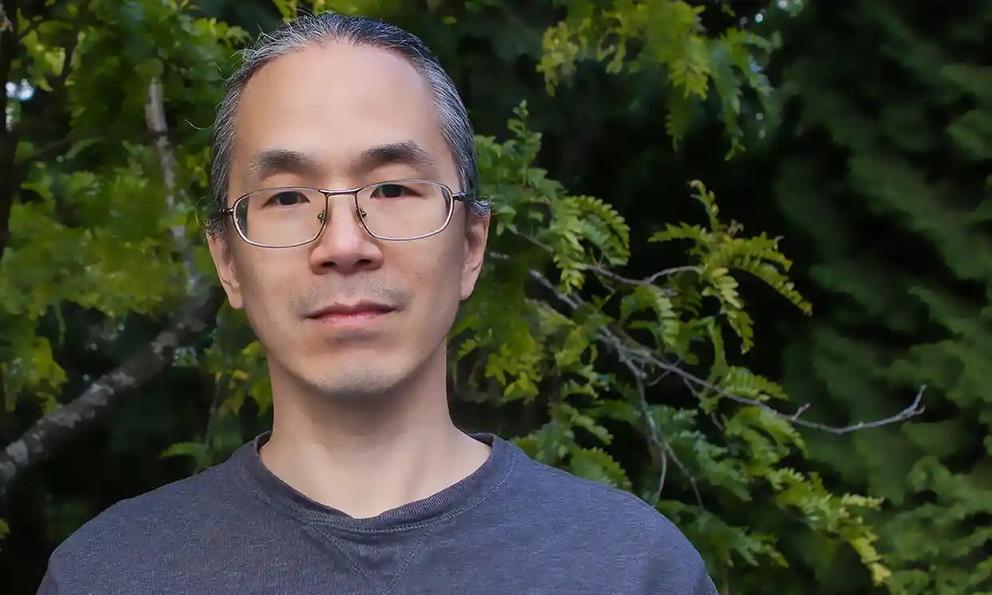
[[695, 392], [658, 445], [649, 280], [628, 349], [159, 130], [912, 410], [157, 126], [662, 450], [623, 343], [639, 360], [48, 433]]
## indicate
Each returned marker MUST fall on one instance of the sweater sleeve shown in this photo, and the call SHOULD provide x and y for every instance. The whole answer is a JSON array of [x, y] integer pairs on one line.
[[49, 585], [704, 586]]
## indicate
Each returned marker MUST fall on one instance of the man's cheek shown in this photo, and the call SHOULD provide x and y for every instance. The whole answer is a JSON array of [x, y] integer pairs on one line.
[[262, 308]]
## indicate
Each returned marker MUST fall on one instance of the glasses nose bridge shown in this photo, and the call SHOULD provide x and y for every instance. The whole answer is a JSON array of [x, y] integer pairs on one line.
[[325, 213], [329, 194]]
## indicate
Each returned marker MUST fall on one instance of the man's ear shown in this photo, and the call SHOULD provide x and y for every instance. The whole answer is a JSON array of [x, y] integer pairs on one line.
[[222, 254], [476, 236]]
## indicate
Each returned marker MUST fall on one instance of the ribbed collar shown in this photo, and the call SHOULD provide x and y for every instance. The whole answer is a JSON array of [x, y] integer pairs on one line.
[[249, 471]]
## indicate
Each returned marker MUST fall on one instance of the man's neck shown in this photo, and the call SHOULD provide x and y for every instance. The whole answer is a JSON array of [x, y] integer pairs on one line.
[[366, 459]]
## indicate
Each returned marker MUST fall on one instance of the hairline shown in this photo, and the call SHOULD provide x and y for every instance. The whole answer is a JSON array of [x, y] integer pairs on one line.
[[225, 131], [327, 43]]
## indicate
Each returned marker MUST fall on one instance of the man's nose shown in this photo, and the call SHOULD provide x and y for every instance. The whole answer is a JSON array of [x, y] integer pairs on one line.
[[344, 245]]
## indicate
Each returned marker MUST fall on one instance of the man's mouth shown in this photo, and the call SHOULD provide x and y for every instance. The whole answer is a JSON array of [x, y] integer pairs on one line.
[[354, 313]]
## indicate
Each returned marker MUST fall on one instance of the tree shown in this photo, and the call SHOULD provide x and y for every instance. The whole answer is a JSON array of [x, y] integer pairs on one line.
[[885, 174], [96, 188], [627, 380]]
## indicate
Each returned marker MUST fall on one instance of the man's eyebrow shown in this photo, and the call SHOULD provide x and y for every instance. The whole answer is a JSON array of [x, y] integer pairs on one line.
[[403, 153], [273, 161]]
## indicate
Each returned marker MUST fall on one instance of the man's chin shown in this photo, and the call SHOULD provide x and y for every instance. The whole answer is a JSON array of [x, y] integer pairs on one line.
[[356, 386]]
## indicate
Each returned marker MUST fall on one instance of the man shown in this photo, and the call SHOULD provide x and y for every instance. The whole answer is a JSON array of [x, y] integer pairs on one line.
[[363, 485]]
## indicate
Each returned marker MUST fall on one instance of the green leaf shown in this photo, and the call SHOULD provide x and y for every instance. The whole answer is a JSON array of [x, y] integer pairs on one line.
[[197, 450], [597, 465]]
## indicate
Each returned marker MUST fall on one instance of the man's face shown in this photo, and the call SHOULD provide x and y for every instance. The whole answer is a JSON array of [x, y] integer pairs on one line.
[[332, 107]]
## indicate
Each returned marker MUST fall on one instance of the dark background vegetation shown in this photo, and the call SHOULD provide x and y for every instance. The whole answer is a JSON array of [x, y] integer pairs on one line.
[[871, 158]]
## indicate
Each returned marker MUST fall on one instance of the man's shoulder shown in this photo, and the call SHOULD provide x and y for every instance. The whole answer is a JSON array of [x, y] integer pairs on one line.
[[143, 536], [601, 522], [146, 518], [601, 507]]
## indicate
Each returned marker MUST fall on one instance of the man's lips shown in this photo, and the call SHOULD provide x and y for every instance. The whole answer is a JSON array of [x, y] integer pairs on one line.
[[350, 312]]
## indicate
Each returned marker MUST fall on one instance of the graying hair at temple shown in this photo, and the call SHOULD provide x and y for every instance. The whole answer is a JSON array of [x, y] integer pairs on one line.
[[317, 30]]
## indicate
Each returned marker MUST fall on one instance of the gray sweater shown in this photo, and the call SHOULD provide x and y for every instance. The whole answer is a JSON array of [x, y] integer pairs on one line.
[[512, 526]]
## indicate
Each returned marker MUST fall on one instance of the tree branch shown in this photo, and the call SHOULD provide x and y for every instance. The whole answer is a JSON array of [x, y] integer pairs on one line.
[[641, 361], [649, 280], [159, 130], [47, 434], [661, 450], [630, 349], [658, 446]]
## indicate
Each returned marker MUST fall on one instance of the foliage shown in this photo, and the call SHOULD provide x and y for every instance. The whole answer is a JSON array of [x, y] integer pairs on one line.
[[91, 231], [631, 36], [591, 341], [98, 254], [635, 381], [888, 179], [520, 345]]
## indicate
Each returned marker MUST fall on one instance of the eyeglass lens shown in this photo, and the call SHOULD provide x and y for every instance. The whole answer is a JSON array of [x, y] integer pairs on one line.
[[280, 217]]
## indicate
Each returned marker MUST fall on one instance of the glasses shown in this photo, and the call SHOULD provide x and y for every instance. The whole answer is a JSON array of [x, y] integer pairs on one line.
[[295, 215]]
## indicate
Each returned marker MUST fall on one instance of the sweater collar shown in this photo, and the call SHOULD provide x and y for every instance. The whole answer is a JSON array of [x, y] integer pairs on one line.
[[482, 483]]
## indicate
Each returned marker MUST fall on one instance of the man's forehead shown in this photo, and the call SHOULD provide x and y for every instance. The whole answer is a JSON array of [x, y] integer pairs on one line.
[[329, 89], [343, 65], [353, 107]]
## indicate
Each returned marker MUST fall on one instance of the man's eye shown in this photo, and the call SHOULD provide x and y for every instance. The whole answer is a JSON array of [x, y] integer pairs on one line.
[[288, 198], [392, 191]]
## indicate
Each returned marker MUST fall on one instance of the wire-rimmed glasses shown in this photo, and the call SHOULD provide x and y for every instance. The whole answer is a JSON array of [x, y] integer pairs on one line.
[[290, 216]]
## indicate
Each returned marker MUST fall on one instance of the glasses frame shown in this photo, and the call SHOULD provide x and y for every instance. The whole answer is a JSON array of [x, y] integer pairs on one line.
[[228, 213]]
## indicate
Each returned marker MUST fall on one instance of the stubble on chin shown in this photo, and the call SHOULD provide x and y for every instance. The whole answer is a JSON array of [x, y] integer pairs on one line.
[[354, 386]]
